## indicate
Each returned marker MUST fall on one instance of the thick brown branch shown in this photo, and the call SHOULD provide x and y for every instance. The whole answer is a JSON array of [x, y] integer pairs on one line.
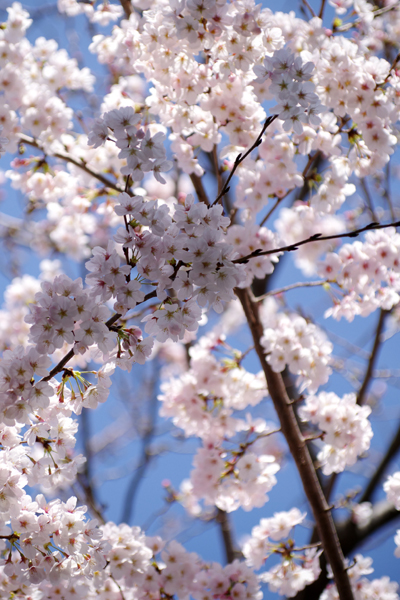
[[300, 453], [351, 536], [217, 169], [127, 6]]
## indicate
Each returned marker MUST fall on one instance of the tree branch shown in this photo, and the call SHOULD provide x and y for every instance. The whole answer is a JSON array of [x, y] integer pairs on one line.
[[372, 359], [231, 553], [351, 536], [144, 461], [287, 288], [74, 161], [217, 169], [380, 470], [85, 478], [309, 8], [59, 366], [376, 13], [300, 453], [240, 158], [199, 188], [316, 237], [127, 6]]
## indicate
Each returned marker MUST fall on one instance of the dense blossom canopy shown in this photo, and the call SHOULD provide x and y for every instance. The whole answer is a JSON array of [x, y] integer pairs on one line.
[[175, 198]]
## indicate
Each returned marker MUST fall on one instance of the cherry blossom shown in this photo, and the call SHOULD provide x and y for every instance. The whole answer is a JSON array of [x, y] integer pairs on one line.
[[174, 186], [347, 431]]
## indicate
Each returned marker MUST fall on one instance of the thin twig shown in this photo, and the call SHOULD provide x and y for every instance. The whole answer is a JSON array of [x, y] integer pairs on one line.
[[119, 587], [392, 66], [272, 209], [158, 513], [240, 158], [292, 286], [376, 13], [309, 8], [381, 468], [351, 349], [144, 461], [372, 358], [368, 197], [74, 161], [321, 10], [387, 194], [316, 237], [85, 478]]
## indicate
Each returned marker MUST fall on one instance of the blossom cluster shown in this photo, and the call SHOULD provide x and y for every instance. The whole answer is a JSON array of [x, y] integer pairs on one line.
[[300, 222], [18, 394], [34, 78], [186, 251], [346, 430], [233, 479], [203, 402], [289, 79], [29, 77], [298, 567], [143, 150], [149, 565], [14, 331], [249, 238], [368, 274], [102, 14], [289, 340], [57, 309], [50, 541], [120, 560]]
